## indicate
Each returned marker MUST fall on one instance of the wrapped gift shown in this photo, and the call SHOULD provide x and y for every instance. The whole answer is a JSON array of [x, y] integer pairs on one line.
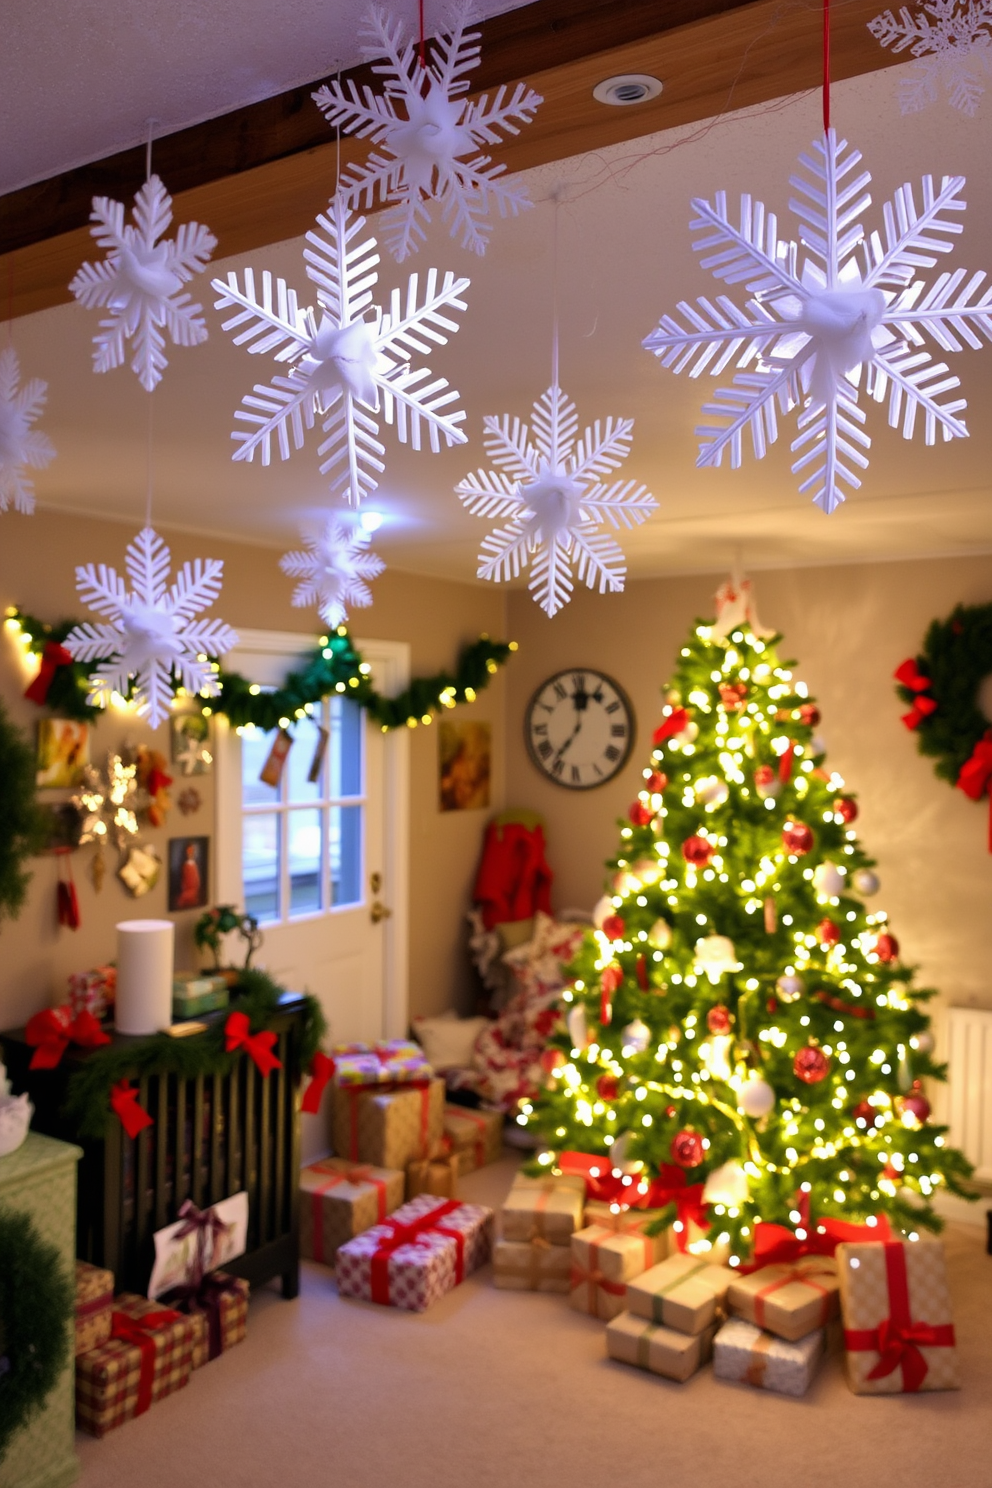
[[602, 1264], [388, 1126], [148, 1355], [196, 992], [94, 1305], [477, 1136], [532, 1266], [396, 1061], [898, 1329], [422, 1251], [93, 991], [665, 1351], [218, 1310], [435, 1175], [744, 1353], [626, 1221], [788, 1300], [683, 1292], [547, 1208], [340, 1199]]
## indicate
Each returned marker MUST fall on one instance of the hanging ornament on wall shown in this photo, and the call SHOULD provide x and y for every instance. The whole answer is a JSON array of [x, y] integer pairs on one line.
[[21, 447], [429, 133], [949, 40], [333, 569]]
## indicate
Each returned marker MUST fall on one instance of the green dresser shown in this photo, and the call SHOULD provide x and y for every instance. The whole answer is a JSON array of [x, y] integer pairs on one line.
[[40, 1179]]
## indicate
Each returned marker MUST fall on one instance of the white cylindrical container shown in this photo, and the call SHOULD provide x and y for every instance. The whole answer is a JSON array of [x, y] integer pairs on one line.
[[145, 951]]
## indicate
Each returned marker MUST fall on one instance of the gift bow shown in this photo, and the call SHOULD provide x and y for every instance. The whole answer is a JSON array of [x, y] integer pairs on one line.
[[51, 1031], [139, 1332], [124, 1104], [910, 676], [774, 1245], [411, 1233], [669, 1187], [205, 1224], [673, 724], [237, 1031], [52, 657], [322, 1067], [898, 1338]]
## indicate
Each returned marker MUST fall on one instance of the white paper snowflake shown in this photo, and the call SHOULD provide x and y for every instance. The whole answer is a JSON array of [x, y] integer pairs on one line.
[[20, 445], [333, 570], [551, 488], [432, 145], [950, 40], [855, 310], [346, 368], [153, 636], [139, 282]]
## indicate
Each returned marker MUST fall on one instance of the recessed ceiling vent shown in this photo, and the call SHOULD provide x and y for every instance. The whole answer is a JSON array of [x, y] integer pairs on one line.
[[627, 88]]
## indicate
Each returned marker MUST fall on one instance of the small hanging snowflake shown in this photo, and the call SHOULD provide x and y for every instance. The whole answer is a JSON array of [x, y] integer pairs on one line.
[[551, 488], [951, 49], [153, 636], [20, 445], [139, 282], [807, 336], [432, 144], [346, 369], [333, 570]]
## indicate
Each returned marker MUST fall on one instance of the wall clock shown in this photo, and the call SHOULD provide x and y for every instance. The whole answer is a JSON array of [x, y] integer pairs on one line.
[[579, 728]]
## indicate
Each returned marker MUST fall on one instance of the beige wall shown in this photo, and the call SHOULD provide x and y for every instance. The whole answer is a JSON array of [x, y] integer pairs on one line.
[[37, 557]]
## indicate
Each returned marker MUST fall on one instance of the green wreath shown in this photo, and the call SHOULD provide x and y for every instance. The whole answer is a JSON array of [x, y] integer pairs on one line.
[[942, 684], [37, 1305]]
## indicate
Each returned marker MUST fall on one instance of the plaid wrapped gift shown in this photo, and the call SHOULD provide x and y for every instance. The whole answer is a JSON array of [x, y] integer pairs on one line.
[[94, 1305], [476, 1136], [388, 1126], [149, 1355], [788, 1300], [602, 1264], [743, 1353], [340, 1199], [684, 1293], [664, 1351], [898, 1329], [532, 1266], [218, 1310], [422, 1251], [545, 1208]]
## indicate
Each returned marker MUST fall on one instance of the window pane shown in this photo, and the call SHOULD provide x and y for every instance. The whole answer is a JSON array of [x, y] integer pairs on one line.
[[304, 861], [306, 737], [255, 748], [260, 865], [346, 748], [346, 854]]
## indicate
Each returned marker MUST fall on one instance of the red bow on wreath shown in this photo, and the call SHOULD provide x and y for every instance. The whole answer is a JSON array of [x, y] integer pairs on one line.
[[910, 676], [976, 773]]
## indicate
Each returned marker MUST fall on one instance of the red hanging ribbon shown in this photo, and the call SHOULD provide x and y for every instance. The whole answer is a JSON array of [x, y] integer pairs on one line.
[[976, 773], [785, 763], [673, 724], [321, 1069], [237, 1031], [897, 1338], [124, 1104], [609, 981], [140, 1333], [641, 970], [51, 1031], [840, 1006], [53, 657]]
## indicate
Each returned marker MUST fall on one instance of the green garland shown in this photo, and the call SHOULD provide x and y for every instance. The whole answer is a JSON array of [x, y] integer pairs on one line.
[[22, 829], [37, 1305], [956, 657], [87, 1101], [334, 666]]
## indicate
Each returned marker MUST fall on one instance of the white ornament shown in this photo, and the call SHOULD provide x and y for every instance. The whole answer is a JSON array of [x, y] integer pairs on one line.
[[790, 988], [625, 882], [551, 489], [602, 910], [333, 570], [711, 791], [726, 1184], [140, 280], [576, 1025], [715, 955], [20, 445], [153, 633], [952, 48], [737, 609], [828, 881], [756, 1098], [866, 882], [346, 369], [432, 146], [660, 935], [855, 311], [715, 1055], [647, 871], [636, 1037]]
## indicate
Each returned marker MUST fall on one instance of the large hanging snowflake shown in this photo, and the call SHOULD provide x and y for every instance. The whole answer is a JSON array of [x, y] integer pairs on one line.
[[855, 311], [346, 369], [20, 445], [950, 40], [432, 140], [153, 636], [333, 569], [551, 488], [140, 280]]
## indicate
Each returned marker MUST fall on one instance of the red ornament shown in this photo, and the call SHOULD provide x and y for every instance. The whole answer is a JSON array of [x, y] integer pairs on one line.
[[809, 714], [607, 1087], [827, 932], [865, 1111], [614, 926], [551, 1059], [656, 782], [916, 1103], [718, 1019], [811, 1065], [732, 695], [797, 837], [887, 947], [640, 815], [641, 972], [846, 808], [764, 775], [687, 1149], [698, 851]]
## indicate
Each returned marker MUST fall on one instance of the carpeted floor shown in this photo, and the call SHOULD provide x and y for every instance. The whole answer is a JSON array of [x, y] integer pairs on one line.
[[508, 1389]]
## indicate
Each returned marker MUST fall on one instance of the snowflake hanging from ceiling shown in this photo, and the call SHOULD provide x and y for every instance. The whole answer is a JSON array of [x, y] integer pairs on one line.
[[346, 369], [432, 146], [333, 569], [20, 445], [855, 312], [950, 40], [154, 636], [140, 280], [551, 488]]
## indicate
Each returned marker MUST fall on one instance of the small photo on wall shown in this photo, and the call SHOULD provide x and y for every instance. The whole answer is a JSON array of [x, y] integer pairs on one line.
[[464, 765], [189, 872], [190, 739], [63, 752]]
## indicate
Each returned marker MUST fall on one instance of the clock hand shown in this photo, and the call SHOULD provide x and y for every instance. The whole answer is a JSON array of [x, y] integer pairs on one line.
[[561, 750]]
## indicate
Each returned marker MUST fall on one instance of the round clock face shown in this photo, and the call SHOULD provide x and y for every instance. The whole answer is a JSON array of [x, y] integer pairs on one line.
[[579, 728]]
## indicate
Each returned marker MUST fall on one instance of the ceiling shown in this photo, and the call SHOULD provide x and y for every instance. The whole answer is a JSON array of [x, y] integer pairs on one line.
[[624, 258]]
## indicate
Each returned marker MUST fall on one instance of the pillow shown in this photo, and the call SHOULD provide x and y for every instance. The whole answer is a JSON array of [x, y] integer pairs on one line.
[[448, 1041]]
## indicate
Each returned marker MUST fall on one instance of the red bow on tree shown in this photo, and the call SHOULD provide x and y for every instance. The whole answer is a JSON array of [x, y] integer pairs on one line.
[[124, 1104], [237, 1031], [670, 1187], [976, 773], [52, 657], [673, 724], [910, 676], [52, 1031], [321, 1070]]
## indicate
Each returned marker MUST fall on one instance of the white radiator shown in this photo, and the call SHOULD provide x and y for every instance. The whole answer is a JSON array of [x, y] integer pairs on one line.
[[970, 1086]]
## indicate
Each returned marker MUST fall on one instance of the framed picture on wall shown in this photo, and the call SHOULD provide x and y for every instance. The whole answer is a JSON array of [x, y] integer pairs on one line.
[[190, 741], [464, 765], [63, 752], [189, 872]]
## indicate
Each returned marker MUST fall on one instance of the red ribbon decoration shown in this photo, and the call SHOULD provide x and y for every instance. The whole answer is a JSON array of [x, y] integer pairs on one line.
[[909, 674], [673, 724], [51, 1031], [237, 1031], [321, 1069], [976, 773], [140, 1333], [641, 971], [669, 1187], [897, 1338], [609, 981], [785, 763], [774, 1245], [52, 657], [409, 1234], [124, 1104], [840, 1006]]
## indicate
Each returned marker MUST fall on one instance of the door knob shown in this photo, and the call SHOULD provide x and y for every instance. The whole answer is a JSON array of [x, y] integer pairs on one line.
[[379, 912]]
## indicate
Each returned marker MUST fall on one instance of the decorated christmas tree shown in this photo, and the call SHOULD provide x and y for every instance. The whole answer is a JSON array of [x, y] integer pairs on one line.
[[742, 1042]]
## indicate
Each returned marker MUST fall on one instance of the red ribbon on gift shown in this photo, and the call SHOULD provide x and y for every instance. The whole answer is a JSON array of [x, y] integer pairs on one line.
[[140, 1332], [670, 1187], [805, 1278], [124, 1104], [322, 1067], [774, 1245], [51, 1031], [909, 674], [410, 1233], [335, 1177], [976, 773], [237, 1031], [897, 1339], [53, 657], [673, 724], [610, 979]]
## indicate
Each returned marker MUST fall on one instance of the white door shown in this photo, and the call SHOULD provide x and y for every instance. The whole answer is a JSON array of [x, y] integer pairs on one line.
[[320, 858]]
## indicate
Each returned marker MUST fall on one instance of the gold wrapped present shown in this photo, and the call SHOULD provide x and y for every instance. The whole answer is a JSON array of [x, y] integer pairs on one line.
[[898, 1328], [547, 1208], [602, 1264], [683, 1292], [531, 1266], [624, 1221], [476, 1136], [788, 1300], [745, 1354], [340, 1199], [664, 1351], [388, 1126], [436, 1175], [94, 1306]]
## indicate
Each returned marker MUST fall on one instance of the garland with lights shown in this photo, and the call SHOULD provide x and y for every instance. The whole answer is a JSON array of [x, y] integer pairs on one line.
[[334, 666], [37, 1305]]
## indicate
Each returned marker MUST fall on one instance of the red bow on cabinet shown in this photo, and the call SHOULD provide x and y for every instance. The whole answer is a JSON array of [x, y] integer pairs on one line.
[[321, 1070], [124, 1104], [238, 1033], [52, 1031]]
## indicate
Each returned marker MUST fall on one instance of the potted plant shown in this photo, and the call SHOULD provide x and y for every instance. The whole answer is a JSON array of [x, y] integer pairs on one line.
[[222, 920]]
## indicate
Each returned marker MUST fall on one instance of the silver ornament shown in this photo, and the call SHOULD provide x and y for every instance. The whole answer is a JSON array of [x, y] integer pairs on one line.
[[756, 1098], [790, 988], [866, 882]]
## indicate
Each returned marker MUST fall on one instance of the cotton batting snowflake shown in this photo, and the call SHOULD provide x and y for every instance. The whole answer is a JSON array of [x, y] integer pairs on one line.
[[154, 637], [333, 569], [551, 488], [20, 445], [854, 312], [345, 368], [950, 40], [432, 139], [140, 280]]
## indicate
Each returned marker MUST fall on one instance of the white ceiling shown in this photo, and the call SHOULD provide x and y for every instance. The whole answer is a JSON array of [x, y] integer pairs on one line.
[[624, 258]]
